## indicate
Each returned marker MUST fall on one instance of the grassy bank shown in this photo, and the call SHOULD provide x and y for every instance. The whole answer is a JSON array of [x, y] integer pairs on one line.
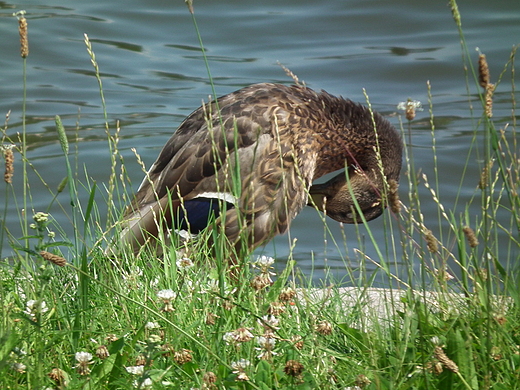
[[73, 317]]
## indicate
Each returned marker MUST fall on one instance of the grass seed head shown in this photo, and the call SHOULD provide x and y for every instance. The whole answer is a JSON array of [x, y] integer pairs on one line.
[[483, 71], [431, 241], [393, 196], [55, 259], [9, 164], [490, 89], [484, 175], [470, 236], [441, 356], [22, 29]]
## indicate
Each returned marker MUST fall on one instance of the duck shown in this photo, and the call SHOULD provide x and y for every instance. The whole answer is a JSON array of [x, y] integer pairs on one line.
[[247, 162]]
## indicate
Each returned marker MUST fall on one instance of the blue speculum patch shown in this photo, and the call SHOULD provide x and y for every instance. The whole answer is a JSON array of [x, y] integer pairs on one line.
[[198, 213]]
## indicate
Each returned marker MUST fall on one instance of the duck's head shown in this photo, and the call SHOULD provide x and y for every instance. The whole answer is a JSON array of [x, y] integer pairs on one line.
[[338, 197]]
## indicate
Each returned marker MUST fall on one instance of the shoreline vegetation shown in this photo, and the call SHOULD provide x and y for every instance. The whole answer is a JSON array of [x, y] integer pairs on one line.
[[73, 318]]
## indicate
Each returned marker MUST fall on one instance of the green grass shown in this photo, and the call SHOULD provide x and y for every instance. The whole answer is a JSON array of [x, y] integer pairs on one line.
[[178, 322]]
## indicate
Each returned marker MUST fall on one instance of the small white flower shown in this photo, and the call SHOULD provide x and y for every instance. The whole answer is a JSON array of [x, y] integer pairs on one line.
[[269, 321], [240, 364], [213, 286], [19, 352], [266, 342], [228, 337], [184, 263], [239, 369], [264, 261], [6, 147], [154, 282], [83, 357], [19, 367], [266, 347], [135, 370], [152, 325], [239, 335], [34, 307], [146, 384], [415, 104], [166, 295]]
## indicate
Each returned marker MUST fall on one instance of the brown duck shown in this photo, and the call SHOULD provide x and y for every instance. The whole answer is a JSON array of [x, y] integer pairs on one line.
[[249, 159]]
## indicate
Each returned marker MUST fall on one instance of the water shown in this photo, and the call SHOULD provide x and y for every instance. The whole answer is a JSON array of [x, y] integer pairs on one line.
[[153, 76]]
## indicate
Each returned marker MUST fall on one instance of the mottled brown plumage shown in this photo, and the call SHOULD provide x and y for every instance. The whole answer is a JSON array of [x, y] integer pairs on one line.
[[259, 149]]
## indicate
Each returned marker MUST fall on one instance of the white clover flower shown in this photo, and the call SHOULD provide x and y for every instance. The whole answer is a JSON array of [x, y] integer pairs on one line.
[[19, 367], [264, 261], [266, 342], [152, 325], [266, 347], [83, 359], [269, 321], [239, 335], [135, 370], [240, 364], [33, 307], [166, 295], [146, 384], [228, 337], [239, 367], [410, 107], [415, 104], [154, 282], [213, 286], [184, 263]]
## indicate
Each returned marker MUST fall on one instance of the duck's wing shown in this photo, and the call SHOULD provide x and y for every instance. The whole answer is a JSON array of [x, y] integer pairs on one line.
[[272, 196], [229, 147]]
